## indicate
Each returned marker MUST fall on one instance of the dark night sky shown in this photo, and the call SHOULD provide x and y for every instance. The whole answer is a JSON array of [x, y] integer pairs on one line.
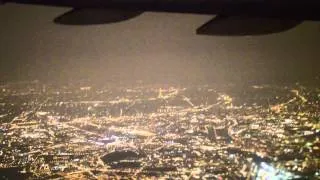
[[156, 47]]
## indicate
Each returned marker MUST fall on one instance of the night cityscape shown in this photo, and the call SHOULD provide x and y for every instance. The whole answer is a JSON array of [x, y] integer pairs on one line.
[[157, 131], [168, 90]]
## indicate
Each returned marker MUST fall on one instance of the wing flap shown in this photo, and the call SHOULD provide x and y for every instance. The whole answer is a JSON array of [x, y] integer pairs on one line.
[[95, 16], [245, 26]]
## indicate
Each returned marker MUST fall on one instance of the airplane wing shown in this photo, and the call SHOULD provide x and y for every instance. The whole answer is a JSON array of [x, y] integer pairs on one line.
[[233, 17]]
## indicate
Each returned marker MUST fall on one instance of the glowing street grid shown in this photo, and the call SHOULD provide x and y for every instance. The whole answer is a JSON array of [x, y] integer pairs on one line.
[[159, 132]]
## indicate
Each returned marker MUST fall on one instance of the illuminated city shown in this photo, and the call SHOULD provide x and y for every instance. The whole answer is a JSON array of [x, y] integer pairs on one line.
[[78, 131]]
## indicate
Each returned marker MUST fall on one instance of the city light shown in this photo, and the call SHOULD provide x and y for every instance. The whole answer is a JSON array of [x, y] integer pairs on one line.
[[200, 132]]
